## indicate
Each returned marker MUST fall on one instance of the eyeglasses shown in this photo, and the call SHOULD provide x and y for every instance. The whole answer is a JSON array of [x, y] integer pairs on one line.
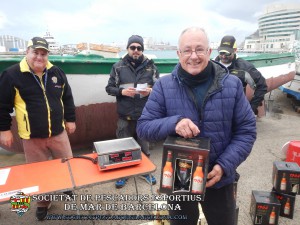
[[225, 54], [133, 48], [199, 52]]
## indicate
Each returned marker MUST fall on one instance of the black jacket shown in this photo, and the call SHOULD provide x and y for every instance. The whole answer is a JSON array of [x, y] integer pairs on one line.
[[248, 74], [41, 105], [124, 75]]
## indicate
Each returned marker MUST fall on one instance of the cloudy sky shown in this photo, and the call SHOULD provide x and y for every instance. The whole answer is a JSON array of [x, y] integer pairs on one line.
[[113, 21]]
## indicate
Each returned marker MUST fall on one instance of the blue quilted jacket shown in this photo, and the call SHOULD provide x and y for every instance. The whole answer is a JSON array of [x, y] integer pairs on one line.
[[226, 118]]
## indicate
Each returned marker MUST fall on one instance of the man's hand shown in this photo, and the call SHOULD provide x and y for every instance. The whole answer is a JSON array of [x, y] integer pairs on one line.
[[130, 92], [214, 176], [6, 138], [70, 127], [146, 92], [186, 128]]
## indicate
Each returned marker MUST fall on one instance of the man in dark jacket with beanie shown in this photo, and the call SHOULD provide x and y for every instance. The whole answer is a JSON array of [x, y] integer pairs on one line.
[[243, 69], [131, 80]]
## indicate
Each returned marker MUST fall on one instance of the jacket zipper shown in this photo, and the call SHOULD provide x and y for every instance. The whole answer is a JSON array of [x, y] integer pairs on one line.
[[47, 104]]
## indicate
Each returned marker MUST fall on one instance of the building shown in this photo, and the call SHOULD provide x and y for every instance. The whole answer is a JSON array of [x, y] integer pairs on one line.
[[10, 43], [150, 44], [278, 28], [14, 45]]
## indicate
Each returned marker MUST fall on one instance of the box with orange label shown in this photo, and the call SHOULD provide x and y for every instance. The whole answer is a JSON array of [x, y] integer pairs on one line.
[[185, 166], [287, 204], [286, 177], [264, 208]]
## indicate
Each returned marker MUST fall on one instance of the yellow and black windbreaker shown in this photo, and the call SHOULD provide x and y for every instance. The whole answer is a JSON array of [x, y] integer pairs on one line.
[[41, 104]]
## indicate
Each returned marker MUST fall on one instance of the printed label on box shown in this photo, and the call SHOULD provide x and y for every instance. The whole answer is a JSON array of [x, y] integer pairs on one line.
[[185, 165]]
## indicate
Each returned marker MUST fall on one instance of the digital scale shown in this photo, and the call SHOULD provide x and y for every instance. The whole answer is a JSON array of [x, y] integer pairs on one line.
[[118, 153]]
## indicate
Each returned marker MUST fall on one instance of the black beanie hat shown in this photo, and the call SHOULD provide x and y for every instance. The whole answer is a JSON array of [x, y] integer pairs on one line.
[[136, 39]]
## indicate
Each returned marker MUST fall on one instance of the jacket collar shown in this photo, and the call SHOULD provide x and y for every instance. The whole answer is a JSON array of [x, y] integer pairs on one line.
[[25, 67], [221, 72]]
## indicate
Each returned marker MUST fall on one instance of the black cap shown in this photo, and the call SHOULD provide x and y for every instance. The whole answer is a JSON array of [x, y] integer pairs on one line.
[[136, 39], [38, 42], [228, 44]]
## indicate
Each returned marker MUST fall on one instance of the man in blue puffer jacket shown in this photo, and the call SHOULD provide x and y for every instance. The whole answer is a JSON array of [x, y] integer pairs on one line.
[[201, 99]]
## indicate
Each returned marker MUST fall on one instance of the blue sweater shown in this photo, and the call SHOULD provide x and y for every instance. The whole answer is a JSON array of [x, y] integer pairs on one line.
[[226, 118]]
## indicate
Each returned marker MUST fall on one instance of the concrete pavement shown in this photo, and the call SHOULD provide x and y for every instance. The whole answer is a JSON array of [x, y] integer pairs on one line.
[[280, 125]]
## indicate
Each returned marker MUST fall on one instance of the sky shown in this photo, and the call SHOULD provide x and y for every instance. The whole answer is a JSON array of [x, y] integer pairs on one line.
[[114, 21]]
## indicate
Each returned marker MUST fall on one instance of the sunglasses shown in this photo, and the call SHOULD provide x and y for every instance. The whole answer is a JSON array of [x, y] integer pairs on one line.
[[225, 54], [133, 48]]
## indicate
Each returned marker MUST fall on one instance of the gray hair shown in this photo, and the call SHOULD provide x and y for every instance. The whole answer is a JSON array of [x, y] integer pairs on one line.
[[193, 29]]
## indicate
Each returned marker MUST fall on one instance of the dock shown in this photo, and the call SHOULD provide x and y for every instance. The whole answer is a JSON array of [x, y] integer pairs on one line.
[[280, 125]]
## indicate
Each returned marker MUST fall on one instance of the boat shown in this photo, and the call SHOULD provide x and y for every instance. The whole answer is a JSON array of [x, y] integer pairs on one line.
[[54, 47], [292, 88], [106, 51], [96, 110]]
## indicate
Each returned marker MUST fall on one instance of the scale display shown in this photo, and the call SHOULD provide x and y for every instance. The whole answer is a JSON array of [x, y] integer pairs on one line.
[[120, 157]]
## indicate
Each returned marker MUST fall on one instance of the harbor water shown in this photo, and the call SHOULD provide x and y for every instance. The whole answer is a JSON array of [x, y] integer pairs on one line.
[[171, 54]]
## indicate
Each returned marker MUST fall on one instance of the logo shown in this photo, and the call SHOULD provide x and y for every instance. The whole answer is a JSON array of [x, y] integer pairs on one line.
[[226, 43], [42, 42], [20, 203], [54, 80]]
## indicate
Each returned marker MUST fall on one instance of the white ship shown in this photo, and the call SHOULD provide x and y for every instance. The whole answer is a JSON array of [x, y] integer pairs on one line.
[[53, 44]]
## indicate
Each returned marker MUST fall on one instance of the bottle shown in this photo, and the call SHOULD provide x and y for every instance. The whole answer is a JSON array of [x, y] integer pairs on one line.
[[272, 216], [283, 183], [287, 207], [167, 176], [197, 186]]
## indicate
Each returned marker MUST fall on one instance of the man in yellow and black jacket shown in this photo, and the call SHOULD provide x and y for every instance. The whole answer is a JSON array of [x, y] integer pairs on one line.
[[40, 110], [45, 112]]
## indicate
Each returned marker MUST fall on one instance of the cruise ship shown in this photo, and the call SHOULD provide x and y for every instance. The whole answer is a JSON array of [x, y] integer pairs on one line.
[[53, 44]]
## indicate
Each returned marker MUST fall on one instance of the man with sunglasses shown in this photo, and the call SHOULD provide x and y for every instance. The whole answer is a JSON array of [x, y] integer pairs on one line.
[[201, 99], [131, 80], [243, 69]]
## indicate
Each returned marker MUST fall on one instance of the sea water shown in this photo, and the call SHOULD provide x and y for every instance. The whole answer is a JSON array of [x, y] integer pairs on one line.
[[172, 54]]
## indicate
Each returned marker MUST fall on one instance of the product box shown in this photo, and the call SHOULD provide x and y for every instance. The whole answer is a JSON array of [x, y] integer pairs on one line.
[[184, 166], [264, 208], [286, 177], [287, 203]]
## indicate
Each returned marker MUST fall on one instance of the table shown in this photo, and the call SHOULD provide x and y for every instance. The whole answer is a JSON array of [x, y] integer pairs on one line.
[[55, 175]]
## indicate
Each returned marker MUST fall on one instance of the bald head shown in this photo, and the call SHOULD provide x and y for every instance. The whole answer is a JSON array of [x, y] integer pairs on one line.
[[195, 30]]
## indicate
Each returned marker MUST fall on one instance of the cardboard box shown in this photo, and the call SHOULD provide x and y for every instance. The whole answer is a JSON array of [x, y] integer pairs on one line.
[[287, 203], [286, 177], [181, 166], [264, 208]]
